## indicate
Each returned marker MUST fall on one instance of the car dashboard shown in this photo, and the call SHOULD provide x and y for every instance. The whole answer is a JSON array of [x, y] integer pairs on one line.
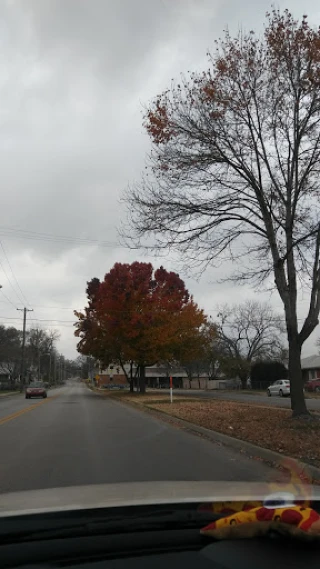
[[87, 541]]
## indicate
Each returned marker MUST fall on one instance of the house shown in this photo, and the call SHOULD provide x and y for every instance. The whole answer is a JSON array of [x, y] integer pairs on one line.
[[159, 375], [5, 378], [4, 375], [156, 376], [310, 367]]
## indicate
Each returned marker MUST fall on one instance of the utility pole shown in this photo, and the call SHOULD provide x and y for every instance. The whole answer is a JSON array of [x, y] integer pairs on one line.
[[50, 356], [54, 368], [60, 368], [39, 363], [24, 310]]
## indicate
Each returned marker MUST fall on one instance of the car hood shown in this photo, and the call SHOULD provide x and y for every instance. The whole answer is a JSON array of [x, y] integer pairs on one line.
[[142, 493]]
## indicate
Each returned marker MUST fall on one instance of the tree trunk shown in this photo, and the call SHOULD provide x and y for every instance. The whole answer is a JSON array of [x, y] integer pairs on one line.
[[131, 377], [243, 380], [242, 374], [142, 378], [298, 404]]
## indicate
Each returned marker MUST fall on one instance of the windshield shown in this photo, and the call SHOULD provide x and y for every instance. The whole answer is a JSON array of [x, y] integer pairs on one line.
[[159, 242]]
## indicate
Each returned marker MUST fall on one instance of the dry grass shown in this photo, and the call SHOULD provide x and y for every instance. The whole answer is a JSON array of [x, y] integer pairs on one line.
[[271, 428], [142, 399], [133, 397], [311, 395]]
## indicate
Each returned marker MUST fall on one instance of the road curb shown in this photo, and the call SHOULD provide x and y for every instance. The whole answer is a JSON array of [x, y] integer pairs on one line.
[[238, 444], [250, 449]]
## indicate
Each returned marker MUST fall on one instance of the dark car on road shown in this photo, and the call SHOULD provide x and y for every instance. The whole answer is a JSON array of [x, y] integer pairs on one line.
[[36, 389]]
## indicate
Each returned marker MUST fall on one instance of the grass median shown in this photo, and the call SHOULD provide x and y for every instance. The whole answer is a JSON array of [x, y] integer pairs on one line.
[[268, 427], [7, 393]]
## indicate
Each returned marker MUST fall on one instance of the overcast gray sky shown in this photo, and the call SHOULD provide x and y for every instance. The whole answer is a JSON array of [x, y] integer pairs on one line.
[[74, 75]]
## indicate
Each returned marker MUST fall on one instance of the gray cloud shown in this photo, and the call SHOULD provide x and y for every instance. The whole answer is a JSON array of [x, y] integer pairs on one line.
[[74, 75]]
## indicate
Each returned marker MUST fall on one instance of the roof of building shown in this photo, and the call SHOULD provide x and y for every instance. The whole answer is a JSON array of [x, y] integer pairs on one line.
[[312, 362]]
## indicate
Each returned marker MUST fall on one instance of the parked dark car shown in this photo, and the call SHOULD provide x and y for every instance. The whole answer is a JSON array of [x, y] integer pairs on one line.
[[313, 385], [36, 389]]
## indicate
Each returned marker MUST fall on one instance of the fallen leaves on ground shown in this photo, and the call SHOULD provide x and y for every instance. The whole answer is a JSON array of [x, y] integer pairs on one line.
[[271, 428], [135, 397], [138, 398]]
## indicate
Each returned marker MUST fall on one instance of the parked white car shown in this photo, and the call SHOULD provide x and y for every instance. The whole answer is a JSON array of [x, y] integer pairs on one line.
[[280, 387]]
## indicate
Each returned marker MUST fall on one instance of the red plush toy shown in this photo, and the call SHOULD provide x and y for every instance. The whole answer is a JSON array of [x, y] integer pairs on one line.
[[252, 519], [295, 520]]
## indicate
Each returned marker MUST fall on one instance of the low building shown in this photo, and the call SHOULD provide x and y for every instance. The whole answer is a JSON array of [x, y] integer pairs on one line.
[[4, 375], [156, 376], [310, 368], [6, 379]]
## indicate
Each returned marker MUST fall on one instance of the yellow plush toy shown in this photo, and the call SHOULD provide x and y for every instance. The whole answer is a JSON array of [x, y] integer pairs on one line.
[[252, 519], [295, 520]]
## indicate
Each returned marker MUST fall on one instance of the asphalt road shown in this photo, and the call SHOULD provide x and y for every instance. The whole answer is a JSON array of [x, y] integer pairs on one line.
[[274, 401], [77, 437]]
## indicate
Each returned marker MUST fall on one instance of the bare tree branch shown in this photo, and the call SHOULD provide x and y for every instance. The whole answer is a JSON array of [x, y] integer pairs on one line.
[[236, 154]]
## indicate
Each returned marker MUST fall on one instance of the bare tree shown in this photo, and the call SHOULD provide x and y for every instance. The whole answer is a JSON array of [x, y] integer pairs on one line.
[[53, 337], [248, 332], [234, 171], [40, 349]]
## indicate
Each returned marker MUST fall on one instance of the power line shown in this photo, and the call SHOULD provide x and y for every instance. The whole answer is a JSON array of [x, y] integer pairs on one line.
[[39, 319], [10, 323], [14, 276], [10, 283], [205, 310], [51, 237], [37, 236], [55, 307], [7, 299], [273, 319], [114, 312], [34, 320]]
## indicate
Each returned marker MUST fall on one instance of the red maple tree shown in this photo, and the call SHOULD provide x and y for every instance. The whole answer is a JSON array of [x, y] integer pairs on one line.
[[137, 314]]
